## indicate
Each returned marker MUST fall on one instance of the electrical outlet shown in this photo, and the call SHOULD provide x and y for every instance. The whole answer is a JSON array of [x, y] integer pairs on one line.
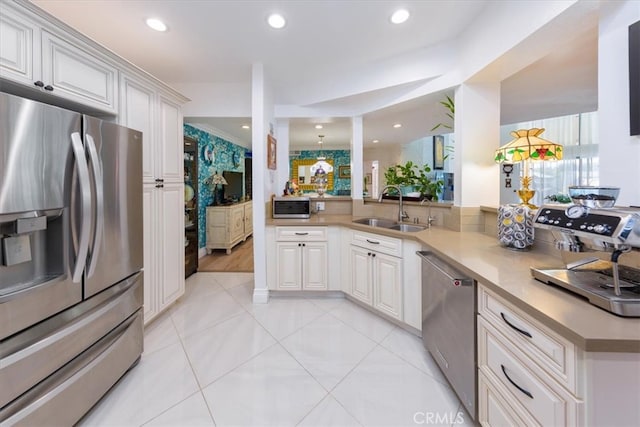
[[319, 206]]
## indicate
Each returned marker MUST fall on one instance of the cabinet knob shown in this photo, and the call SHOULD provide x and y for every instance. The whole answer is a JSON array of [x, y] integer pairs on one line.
[[159, 185], [373, 255], [39, 83], [49, 88], [368, 253]]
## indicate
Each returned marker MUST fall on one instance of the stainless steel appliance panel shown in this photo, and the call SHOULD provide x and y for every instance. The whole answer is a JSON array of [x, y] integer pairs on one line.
[[114, 155], [448, 325], [63, 398], [35, 154], [32, 355]]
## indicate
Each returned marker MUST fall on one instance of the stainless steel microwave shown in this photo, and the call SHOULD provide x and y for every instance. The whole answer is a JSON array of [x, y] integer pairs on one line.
[[291, 207]]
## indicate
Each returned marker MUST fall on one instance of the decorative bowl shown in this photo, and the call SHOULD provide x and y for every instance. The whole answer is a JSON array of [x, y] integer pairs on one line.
[[594, 197]]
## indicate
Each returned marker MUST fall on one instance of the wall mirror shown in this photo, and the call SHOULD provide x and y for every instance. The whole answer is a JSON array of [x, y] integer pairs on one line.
[[301, 172]]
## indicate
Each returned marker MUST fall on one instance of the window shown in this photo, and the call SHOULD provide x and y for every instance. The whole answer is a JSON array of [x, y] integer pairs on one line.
[[578, 134]]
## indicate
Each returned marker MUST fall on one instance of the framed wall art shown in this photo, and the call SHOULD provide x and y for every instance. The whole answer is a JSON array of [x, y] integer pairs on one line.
[[271, 152], [438, 152], [344, 171]]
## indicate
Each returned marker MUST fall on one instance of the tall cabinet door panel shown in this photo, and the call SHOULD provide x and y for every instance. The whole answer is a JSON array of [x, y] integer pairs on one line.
[[18, 56], [76, 74], [388, 287], [236, 225], [172, 249], [137, 112], [289, 266], [170, 140], [248, 219], [315, 266], [361, 279], [150, 211]]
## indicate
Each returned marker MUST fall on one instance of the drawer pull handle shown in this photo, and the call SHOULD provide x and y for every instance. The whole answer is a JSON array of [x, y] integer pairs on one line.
[[301, 234], [504, 371], [373, 242], [523, 332]]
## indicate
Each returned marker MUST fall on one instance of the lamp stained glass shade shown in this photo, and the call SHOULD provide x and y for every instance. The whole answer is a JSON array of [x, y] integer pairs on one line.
[[527, 145]]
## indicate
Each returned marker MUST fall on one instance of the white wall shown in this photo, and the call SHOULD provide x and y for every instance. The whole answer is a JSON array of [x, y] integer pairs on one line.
[[216, 100], [619, 152]]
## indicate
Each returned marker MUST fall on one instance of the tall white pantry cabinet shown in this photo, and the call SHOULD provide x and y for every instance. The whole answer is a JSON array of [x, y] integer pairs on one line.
[[44, 59]]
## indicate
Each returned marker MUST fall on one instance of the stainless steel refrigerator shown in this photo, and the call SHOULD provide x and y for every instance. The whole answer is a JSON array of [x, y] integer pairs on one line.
[[70, 260]]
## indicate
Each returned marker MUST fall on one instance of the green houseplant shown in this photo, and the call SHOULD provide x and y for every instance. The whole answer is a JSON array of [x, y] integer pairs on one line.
[[411, 175], [402, 175]]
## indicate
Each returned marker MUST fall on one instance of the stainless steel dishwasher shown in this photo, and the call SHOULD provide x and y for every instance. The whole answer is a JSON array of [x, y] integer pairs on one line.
[[448, 325]]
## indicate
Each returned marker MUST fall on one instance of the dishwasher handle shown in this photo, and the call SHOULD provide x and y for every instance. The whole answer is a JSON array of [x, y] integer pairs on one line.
[[433, 261]]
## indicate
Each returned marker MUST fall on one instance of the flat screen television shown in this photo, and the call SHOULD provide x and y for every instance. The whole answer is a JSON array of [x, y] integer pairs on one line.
[[233, 189]]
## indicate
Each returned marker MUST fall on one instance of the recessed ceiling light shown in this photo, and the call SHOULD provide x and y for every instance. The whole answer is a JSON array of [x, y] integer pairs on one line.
[[375, 141], [318, 126], [400, 16], [156, 24], [276, 20], [245, 126], [397, 125]]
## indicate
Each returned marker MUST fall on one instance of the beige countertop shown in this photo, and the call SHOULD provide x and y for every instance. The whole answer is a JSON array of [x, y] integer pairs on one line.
[[507, 273]]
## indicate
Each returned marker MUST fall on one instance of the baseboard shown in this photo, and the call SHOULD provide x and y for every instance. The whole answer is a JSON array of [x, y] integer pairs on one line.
[[260, 296]]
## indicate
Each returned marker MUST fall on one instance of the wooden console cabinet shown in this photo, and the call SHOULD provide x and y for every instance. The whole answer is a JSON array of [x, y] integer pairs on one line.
[[228, 225]]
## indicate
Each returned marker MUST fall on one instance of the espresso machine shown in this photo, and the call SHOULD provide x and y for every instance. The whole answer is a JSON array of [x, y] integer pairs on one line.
[[605, 233]]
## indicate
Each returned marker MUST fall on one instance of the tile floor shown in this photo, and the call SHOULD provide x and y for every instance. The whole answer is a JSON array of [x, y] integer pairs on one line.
[[214, 358]]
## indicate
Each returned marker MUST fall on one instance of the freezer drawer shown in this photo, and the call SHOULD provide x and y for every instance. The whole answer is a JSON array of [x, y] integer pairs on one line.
[[66, 396], [29, 357]]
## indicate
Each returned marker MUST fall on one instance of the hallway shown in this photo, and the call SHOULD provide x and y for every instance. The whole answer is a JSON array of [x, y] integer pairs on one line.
[[239, 260]]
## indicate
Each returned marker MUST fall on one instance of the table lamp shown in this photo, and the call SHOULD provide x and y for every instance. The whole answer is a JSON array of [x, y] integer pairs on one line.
[[527, 146]]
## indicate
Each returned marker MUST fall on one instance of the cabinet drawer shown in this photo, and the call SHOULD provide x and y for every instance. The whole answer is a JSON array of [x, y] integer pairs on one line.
[[297, 234], [554, 354], [495, 410], [545, 400], [383, 244]]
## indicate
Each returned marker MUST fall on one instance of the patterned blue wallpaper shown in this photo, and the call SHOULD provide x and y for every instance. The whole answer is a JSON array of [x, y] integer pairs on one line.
[[341, 186], [214, 155]]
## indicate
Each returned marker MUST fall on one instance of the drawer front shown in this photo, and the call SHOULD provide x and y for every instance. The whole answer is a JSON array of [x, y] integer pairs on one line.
[[495, 410], [546, 401], [301, 234], [383, 244], [552, 353]]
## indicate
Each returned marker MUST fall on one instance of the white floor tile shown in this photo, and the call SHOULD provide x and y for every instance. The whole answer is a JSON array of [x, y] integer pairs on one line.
[[410, 348], [200, 284], [191, 412], [217, 350], [386, 390], [160, 334], [270, 389], [328, 349], [243, 294], [193, 317], [328, 304], [231, 280], [159, 381], [329, 413], [282, 317], [363, 321]]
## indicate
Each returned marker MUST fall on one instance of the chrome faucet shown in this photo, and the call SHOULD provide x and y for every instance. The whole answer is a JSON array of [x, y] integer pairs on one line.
[[430, 219], [401, 213]]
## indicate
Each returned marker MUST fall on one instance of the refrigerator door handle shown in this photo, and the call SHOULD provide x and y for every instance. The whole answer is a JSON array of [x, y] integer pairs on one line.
[[99, 212], [85, 200]]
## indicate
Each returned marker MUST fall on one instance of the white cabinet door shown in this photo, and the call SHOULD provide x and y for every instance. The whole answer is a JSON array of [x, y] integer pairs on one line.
[[248, 219], [77, 74], [170, 140], [171, 263], [18, 57], [236, 224], [361, 274], [151, 211], [137, 111], [387, 284], [289, 270], [315, 266]]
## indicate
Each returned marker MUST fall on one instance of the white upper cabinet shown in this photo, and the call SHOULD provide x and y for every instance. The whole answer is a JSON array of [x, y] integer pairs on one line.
[[66, 67]]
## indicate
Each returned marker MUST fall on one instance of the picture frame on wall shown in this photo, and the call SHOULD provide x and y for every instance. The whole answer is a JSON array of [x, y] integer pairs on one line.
[[271, 152], [344, 171], [438, 152]]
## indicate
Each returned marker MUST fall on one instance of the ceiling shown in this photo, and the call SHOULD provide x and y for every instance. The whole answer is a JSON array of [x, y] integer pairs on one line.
[[324, 44]]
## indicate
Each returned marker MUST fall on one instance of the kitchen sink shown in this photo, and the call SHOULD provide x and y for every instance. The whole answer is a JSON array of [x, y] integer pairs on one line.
[[376, 222], [412, 228]]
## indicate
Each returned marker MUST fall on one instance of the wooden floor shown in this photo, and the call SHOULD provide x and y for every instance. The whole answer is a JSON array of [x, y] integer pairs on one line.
[[240, 259]]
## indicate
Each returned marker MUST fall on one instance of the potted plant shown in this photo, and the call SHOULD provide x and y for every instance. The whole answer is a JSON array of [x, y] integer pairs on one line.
[[402, 175], [429, 188]]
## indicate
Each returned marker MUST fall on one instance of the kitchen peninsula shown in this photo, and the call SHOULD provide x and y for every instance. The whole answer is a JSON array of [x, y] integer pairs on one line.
[[596, 352]]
